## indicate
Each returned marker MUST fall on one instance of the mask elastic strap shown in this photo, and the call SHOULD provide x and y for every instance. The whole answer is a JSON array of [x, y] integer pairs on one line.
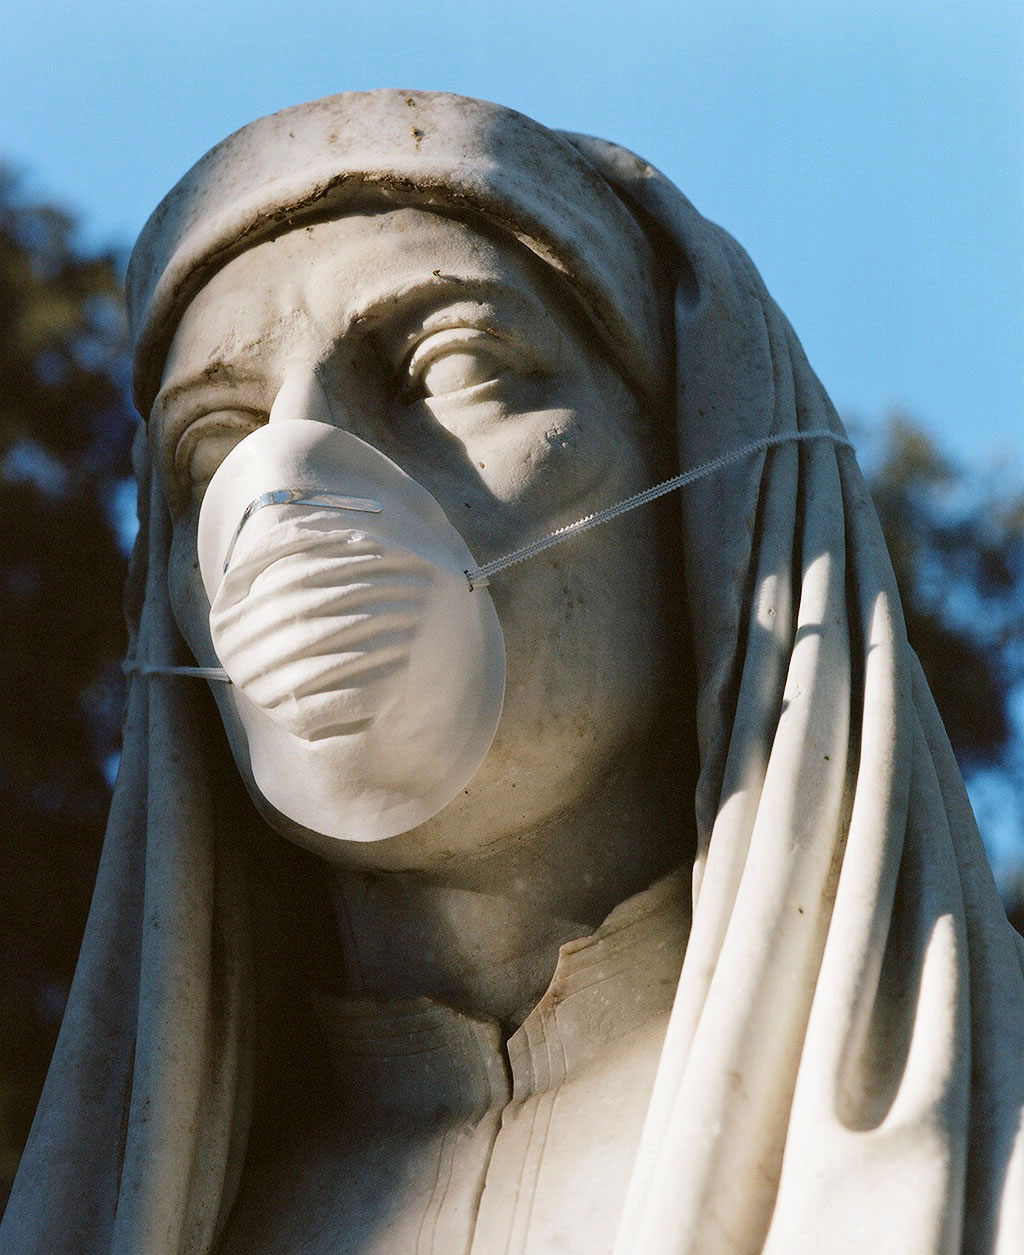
[[132, 666], [479, 577]]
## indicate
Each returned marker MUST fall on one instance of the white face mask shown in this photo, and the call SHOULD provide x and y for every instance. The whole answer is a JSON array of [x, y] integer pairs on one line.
[[367, 674]]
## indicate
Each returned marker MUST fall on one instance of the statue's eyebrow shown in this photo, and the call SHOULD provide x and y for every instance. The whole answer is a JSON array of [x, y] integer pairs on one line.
[[439, 285], [219, 373], [216, 385], [427, 305]]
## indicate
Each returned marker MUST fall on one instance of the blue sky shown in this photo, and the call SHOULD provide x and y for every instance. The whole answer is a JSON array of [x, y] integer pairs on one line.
[[869, 154]]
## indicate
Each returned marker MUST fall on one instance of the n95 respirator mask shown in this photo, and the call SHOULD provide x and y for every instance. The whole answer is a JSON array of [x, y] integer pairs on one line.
[[367, 674]]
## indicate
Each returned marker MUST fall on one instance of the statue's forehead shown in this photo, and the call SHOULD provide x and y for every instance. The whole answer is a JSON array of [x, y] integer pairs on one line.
[[468, 157], [395, 270]]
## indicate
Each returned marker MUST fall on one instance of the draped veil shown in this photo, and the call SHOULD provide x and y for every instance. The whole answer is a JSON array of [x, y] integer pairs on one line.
[[843, 1066]]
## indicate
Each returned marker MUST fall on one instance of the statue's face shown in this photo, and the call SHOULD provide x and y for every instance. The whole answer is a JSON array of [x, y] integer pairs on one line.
[[462, 360]]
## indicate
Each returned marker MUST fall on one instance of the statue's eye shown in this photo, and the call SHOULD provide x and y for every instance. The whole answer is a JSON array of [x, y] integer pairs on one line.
[[452, 361], [207, 441]]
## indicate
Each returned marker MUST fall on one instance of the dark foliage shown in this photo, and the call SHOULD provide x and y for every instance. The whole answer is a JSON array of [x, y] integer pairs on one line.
[[65, 431], [957, 546]]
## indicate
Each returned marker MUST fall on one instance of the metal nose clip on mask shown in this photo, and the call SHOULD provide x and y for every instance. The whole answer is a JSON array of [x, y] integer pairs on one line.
[[368, 676]]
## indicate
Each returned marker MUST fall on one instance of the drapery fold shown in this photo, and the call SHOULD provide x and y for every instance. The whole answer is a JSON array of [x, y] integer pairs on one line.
[[835, 1072], [189, 1104], [139, 1136]]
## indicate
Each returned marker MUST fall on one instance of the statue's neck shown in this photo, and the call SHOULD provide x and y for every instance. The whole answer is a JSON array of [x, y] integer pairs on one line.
[[483, 933]]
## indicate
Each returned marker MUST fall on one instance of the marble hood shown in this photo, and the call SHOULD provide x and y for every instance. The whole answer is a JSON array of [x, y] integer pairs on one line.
[[844, 1067]]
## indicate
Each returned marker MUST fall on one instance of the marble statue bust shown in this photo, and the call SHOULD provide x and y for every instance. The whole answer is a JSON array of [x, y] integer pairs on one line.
[[628, 902]]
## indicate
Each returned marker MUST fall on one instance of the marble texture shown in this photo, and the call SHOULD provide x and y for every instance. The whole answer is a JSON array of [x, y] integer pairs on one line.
[[705, 958]]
